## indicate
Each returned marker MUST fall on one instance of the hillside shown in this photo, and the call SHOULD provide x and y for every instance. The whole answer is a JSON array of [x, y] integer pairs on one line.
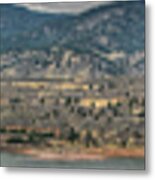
[[72, 83], [105, 41], [23, 29]]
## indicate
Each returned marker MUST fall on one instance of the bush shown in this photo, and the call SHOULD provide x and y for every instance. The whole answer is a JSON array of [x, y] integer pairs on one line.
[[73, 135]]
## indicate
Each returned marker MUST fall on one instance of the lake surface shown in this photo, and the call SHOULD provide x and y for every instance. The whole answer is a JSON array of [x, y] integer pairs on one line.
[[12, 160]]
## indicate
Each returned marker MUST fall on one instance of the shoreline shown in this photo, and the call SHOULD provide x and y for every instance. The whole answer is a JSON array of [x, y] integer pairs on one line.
[[87, 154]]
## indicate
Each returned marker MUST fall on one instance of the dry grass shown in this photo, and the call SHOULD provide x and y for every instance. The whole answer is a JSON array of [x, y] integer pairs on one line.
[[88, 102]]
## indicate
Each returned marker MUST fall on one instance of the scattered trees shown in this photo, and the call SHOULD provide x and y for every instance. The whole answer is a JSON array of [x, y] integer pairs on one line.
[[73, 135]]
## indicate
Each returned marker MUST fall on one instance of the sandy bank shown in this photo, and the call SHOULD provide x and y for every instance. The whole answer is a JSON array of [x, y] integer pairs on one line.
[[86, 154]]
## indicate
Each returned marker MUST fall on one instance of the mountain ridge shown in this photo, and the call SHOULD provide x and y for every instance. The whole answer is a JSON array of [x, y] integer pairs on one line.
[[108, 39]]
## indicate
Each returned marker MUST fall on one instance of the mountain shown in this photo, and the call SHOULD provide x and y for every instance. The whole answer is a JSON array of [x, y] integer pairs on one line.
[[24, 29], [121, 24], [106, 40]]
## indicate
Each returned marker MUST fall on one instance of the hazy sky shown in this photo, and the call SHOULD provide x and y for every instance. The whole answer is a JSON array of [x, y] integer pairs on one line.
[[64, 7]]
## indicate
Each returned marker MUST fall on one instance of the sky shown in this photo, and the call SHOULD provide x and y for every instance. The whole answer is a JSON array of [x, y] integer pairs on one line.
[[63, 7]]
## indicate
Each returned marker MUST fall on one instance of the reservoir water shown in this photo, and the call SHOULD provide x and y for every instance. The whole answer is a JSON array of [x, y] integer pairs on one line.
[[12, 160]]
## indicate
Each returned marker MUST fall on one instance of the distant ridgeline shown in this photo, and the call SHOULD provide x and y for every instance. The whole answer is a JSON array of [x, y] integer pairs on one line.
[[86, 45]]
